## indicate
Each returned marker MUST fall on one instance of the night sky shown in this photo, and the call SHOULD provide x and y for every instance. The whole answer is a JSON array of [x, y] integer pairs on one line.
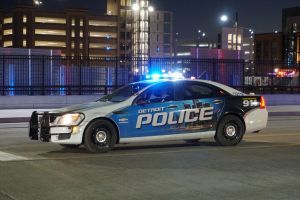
[[191, 15]]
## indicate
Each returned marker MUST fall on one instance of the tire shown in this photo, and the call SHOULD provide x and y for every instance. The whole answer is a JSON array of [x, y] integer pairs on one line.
[[70, 146], [192, 141], [230, 131], [100, 136]]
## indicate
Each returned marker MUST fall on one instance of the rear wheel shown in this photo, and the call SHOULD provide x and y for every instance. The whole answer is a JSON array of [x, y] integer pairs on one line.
[[230, 131], [100, 136]]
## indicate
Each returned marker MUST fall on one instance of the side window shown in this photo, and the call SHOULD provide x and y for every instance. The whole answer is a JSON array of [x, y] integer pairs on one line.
[[157, 94], [192, 91]]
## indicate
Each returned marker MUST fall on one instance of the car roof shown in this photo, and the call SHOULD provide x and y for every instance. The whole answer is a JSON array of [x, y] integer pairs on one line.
[[216, 84]]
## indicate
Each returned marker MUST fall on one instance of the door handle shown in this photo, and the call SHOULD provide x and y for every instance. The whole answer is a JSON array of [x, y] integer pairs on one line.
[[217, 101], [172, 106]]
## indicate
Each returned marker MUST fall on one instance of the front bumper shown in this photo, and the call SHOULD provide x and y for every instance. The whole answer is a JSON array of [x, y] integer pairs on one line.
[[40, 128]]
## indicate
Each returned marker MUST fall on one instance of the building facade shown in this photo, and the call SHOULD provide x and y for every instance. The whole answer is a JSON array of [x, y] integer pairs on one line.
[[238, 39], [161, 34], [291, 34], [74, 32], [268, 46]]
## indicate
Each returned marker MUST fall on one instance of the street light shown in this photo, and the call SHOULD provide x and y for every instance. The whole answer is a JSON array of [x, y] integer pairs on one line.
[[224, 18], [37, 3]]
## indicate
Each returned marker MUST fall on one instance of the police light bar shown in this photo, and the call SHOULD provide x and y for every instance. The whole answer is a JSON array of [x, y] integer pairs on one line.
[[175, 75]]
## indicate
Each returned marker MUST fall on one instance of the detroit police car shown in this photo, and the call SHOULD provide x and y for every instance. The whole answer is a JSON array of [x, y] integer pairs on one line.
[[154, 110]]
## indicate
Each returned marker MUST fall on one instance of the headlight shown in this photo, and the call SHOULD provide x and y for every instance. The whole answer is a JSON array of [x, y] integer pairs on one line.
[[72, 119]]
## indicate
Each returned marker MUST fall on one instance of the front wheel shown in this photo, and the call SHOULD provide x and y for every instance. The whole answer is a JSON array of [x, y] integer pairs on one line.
[[100, 136], [230, 131]]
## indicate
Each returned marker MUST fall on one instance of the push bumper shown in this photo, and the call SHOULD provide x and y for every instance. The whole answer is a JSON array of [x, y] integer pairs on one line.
[[40, 127]]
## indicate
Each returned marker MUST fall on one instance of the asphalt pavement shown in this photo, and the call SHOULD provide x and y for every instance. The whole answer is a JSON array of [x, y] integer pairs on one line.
[[263, 166]]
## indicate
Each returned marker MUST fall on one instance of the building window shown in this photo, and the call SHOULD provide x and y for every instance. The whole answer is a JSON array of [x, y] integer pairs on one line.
[[167, 18], [49, 44], [8, 20], [239, 39], [167, 39], [81, 45], [102, 23], [24, 43], [103, 34], [101, 46], [24, 31], [7, 32], [72, 45], [47, 20], [81, 33], [73, 22], [81, 22], [73, 33], [50, 32], [229, 38], [24, 19], [7, 44]]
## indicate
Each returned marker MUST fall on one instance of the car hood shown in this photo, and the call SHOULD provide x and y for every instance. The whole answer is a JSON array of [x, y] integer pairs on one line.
[[99, 106]]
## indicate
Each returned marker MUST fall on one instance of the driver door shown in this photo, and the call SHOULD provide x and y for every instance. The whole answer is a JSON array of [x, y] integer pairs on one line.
[[150, 112]]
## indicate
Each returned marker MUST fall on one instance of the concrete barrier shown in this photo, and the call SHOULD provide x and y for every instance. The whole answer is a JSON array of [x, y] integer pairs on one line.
[[282, 99], [37, 102]]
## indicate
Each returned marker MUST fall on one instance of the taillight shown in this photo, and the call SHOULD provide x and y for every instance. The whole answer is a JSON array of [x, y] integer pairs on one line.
[[262, 103]]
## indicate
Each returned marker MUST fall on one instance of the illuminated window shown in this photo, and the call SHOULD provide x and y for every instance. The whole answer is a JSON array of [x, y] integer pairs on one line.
[[50, 32], [50, 20], [81, 22], [73, 22], [73, 45], [49, 44], [7, 32], [73, 33], [81, 33], [234, 38], [24, 19], [239, 39], [81, 46], [101, 46], [102, 23], [24, 43], [229, 46], [229, 38], [8, 20], [7, 44], [103, 34], [24, 31]]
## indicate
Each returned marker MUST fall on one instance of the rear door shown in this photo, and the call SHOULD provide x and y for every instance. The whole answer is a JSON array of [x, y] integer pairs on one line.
[[202, 102]]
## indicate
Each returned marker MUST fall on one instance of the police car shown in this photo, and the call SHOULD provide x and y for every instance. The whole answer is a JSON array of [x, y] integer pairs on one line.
[[154, 110]]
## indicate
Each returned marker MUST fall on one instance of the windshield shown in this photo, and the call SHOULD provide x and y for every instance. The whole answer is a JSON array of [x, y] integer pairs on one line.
[[125, 92]]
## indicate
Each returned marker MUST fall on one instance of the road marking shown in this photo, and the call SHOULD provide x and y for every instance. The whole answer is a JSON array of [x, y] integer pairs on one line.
[[150, 153], [10, 157]]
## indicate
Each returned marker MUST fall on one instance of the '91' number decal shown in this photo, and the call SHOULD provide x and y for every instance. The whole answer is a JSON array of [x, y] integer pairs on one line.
[[248, 103]]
